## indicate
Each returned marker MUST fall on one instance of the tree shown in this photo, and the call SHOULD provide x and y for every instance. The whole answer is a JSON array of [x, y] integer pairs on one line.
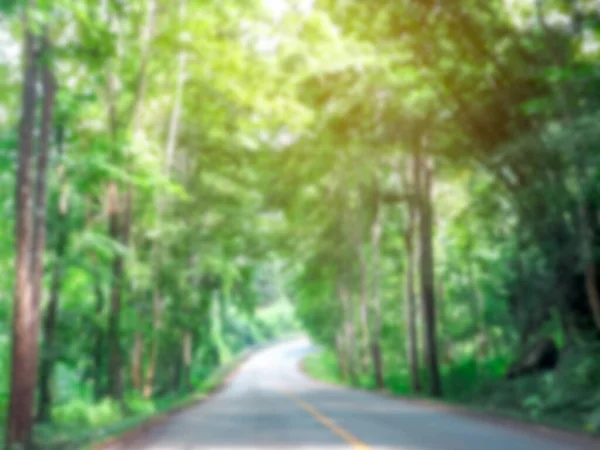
[[39, 229], [25, 316], [423, 184]]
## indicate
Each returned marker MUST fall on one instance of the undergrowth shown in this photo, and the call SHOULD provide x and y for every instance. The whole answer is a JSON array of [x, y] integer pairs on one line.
[[568, 397], [80, 424]]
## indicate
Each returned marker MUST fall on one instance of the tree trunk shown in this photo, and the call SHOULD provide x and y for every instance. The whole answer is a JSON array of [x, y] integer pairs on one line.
[[376, 232], [114, 315], [445, 343], [176, 370], [150, 371], [340, 349], [49, 350], [364, 311], [349, 333], [588, 249], [410, 299], [424, 185], [186, 348], [340, 336], [98, 353], [112, 333], [120, 227], [477, 306], [39, 245], [25, 314], [176, 112], [39, 207], [144, 58], [137, 354], [169, 156]]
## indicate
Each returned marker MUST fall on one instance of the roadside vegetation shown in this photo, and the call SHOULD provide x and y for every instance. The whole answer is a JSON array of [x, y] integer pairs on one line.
[[85, 425], [415, 183], [550, 399]]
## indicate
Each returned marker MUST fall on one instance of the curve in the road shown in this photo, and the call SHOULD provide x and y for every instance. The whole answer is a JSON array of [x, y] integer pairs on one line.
[[271, 404]]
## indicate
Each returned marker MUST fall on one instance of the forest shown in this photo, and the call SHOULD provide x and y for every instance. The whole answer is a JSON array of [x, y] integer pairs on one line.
[[414, 183]]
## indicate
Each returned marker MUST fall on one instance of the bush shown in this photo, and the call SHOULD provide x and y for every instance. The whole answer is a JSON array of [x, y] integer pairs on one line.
[[79, 413], [139, 405]]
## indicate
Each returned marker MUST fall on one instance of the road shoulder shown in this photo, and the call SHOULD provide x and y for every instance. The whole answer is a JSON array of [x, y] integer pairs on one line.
[[131, 434], [577, 439]]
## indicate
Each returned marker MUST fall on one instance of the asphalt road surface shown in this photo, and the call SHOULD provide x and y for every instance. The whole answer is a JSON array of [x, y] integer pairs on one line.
[[271, 404]]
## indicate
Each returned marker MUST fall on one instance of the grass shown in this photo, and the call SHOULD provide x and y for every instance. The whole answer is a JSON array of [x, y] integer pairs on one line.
[[568, 398], [322, 366]]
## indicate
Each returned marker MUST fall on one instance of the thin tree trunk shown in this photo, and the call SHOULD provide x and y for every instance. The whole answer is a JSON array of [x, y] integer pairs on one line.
[[445, 343], [424, 185], [160, 207], [410, 299], [364, 310], [119, 227], [98, 352], [144, 58], [49, 350], [150, 372], [186, 347], [177, 368], [25, 314], [137, 354], [39, 242], [587, 245], [376, 232], [340, 341], [349, 333], [39, 232], [590, 277], [342, 359], [112, 332], [176, 112], [477, 306], [350, 337], [127, 220], [39, 217], [114, 317]]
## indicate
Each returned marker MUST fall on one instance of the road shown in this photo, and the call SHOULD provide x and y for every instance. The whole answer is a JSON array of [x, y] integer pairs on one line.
[[271, 404]]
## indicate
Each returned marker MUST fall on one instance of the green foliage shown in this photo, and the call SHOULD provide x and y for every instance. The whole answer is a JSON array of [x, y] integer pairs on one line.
[[79, 413], [323, 366], [264, 169], [492, 101]]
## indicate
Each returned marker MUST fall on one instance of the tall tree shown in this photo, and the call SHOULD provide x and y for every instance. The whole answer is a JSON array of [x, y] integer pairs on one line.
[[423, 184], [168, 159], [410, 307], [39, 238], [25, 315], [120, 203], [376, 234]]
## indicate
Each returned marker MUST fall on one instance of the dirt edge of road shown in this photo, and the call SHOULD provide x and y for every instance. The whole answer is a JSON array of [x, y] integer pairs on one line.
[[581, 439], [122, 440]]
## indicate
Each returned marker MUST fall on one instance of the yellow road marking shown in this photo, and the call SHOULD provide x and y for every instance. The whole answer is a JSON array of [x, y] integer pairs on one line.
[[356, 443]]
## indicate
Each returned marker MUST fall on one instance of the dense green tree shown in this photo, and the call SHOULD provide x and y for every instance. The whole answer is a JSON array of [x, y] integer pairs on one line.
[[419, 178]]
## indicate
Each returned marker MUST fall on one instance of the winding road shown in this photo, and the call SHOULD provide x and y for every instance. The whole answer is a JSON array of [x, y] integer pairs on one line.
[[271, 404]]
